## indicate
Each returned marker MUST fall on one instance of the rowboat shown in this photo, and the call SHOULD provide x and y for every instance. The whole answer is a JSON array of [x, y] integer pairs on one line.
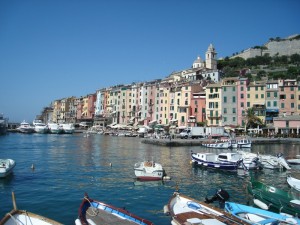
[[16, 216], [255, 215], [185, 210], [92, 212], [268, 197], [293, 182]]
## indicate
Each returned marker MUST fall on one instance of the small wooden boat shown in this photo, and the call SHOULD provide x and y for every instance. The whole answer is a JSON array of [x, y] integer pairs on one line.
[[268, 197], [185, 210], [6, 167], [293, 182], [92, 212], [254, 215], [149, 170], [21, 217]]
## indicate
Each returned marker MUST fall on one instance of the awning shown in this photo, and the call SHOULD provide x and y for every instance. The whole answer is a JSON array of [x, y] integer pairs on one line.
[[112, 124], [132, 118], [153, 121], [173, 120], [182, 127]]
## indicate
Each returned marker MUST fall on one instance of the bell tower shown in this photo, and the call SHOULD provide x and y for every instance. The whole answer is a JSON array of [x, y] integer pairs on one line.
[[211, 58]]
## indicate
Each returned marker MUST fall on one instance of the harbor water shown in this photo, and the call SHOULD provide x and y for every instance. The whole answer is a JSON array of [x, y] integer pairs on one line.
[[67, 166]]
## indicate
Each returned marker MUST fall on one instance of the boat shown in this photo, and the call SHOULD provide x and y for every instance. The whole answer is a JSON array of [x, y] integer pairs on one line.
[[17, 216], [95, 212], [211, 160], [293, 182], [219, 143], [254, 215], [295, 161], [68, 128], [241, 143], [249, 163], [274, 199], [55, 128], [25, 128], [3, 124], [40, 127], [185, 210], [6, 166], [268, 161], [149, 170]]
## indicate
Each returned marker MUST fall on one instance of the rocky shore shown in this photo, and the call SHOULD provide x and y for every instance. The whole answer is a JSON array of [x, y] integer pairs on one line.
[[197, 142]]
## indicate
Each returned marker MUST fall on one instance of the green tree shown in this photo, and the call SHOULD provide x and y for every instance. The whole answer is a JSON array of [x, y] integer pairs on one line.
[[252, 120]]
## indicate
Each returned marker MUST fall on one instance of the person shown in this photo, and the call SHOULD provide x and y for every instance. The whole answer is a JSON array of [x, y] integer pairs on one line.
[[221, 195]]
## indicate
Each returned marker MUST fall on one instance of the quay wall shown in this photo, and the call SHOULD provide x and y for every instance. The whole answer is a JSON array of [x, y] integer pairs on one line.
[[197, 142]]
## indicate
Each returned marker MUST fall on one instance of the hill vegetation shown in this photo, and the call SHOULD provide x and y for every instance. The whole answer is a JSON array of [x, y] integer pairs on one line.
[[262, 67]]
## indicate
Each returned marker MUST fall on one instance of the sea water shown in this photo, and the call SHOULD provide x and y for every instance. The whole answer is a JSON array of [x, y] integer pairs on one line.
[[53, 173]]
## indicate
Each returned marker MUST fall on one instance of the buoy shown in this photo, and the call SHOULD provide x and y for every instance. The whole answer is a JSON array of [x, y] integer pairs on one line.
[[166, 210], [110, 164], [260, 204], [32, 167]]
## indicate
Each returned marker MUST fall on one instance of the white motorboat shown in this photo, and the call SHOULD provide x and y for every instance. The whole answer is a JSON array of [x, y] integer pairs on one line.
[[68, 128], [40, 127], [222, 144], [293, 182], [251, 163], [185, 210], [294, 161], [241, 143], [149, 170], [25, 128], [268, 161], [17, 216], [3, 124], [55, 128], [6, 167]]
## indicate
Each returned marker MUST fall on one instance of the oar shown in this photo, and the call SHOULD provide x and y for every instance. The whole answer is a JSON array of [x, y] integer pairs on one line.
[[14, 200]]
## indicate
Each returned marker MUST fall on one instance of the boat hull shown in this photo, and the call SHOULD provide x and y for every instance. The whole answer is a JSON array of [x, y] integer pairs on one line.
[[185, 210], [148, 171], [25, 217], [6, 167], [256, 215], [105, 214], [276, 199], [209, 160]]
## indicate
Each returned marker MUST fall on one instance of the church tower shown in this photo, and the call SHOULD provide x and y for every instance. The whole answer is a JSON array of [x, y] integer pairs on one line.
[[211, 58]]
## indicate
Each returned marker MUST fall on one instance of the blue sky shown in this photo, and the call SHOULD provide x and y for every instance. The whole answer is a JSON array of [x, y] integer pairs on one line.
[[53, 49]]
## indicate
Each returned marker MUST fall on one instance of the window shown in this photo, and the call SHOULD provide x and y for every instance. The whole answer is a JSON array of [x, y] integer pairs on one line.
[[242, 104], [275, 94], [233, 119], [233, 88], [292, 105], [224, 89], [242, 96], [225, 119], [256, 88], [282, 105], [275, 104], [233, 98], [182, 119], [242, 88], [292, 96], [256, 96], [233, 110], [248, 104], [225, 110], [262, 96], [268, 103], [225, 99], [268, 95], [248, 95]]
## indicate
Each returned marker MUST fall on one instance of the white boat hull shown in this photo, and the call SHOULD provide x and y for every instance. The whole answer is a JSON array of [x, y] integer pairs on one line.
[[148, 171], [6, 167]]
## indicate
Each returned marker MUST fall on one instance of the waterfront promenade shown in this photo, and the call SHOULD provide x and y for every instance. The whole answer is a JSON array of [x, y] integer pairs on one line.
[[197, 142]]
